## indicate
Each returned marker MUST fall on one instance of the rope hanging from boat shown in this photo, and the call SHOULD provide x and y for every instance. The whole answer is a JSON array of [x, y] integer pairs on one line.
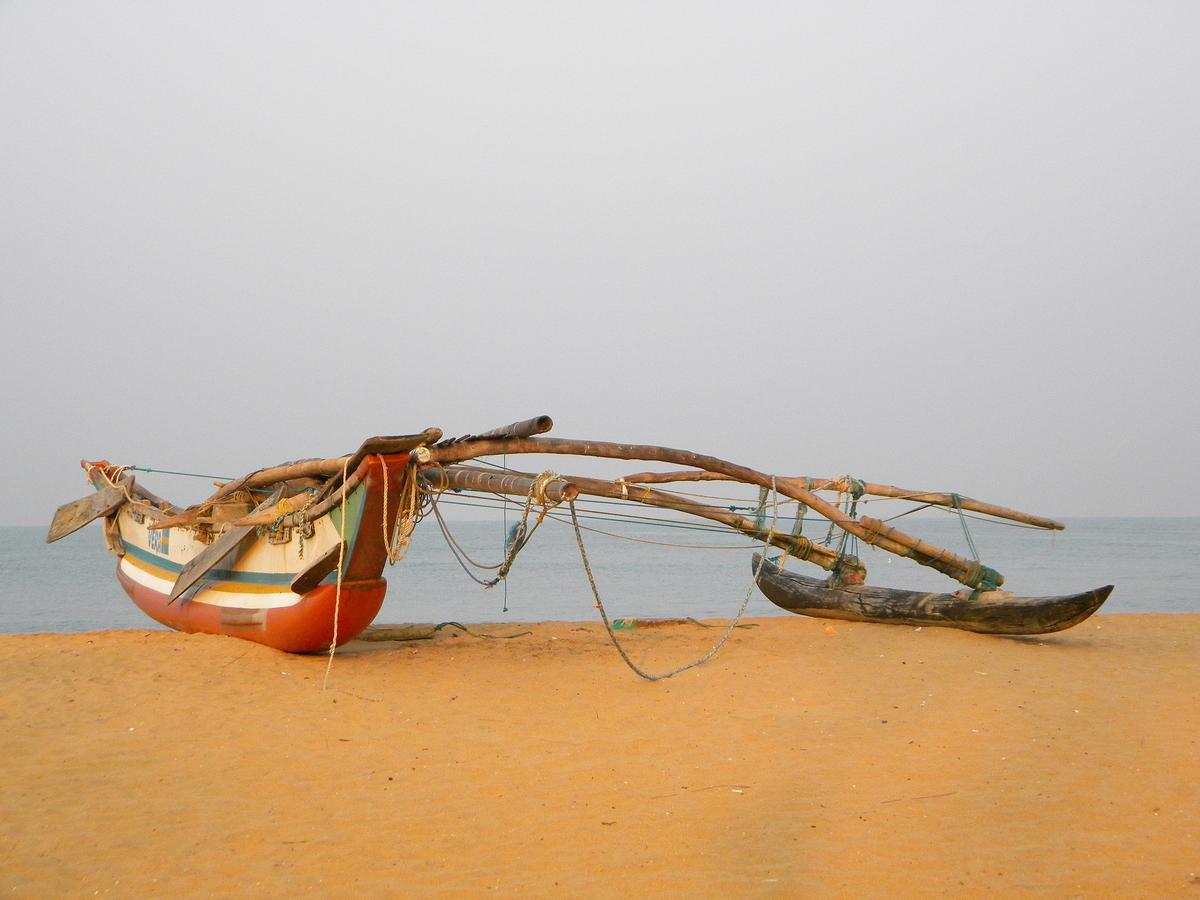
[[963, 521], [537, 493], [398, 539], [650, 676], [337, 595]]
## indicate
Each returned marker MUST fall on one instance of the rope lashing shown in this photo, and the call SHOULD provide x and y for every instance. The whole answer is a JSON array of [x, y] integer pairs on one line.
[[398, 539], [522, 530], [760, 511]]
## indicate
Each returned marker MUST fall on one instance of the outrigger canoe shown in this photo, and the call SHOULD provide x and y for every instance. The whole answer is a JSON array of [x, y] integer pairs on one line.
[[986, 612], [292, 555]]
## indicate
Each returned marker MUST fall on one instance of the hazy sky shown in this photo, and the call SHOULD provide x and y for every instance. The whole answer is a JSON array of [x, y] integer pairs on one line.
[[942, 245]]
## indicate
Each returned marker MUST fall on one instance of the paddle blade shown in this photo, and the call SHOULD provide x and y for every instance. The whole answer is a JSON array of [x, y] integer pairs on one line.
[[310, 577], [216, 552], [70, 517]]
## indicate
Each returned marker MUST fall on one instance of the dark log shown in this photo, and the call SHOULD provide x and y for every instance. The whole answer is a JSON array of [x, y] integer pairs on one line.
[[70, 517], [309, 577], [954, 566], [215, 553], [934, 498], [524, 428], [990, 612], [398, 633]]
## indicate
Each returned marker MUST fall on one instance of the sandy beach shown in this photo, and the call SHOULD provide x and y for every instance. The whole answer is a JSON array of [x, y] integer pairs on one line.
[[809, 758]]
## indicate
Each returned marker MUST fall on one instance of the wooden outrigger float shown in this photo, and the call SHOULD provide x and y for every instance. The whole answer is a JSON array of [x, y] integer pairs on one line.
[[292, 555]]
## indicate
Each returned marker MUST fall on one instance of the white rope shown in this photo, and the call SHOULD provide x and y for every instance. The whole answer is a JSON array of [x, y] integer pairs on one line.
[[337, 596]]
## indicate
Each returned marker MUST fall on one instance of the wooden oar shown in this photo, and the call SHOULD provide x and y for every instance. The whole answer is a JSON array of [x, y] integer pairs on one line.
[[70, 517], [224, 546]]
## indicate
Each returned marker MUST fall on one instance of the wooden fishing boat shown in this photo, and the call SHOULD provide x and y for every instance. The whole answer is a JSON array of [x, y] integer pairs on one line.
[[292, 555], [986, 612], [274, 582]]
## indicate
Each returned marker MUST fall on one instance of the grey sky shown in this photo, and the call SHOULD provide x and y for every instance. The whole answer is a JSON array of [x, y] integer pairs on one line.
[[941, 245]]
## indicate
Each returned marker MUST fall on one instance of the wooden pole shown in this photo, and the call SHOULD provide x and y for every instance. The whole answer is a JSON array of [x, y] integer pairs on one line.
[[524, 428], [326, 468], [558, 490], [935, 557], [608, 450], [936, 498], [466, 478]]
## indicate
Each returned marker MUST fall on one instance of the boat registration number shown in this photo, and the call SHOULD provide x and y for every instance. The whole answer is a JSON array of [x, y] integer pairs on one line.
[[160, 540]]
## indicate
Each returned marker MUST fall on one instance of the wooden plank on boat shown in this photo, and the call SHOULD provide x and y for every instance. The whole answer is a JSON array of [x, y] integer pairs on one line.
[[326, 468], [216, 552], [316, 571], [989, 612], [70, 517], [381, 445]]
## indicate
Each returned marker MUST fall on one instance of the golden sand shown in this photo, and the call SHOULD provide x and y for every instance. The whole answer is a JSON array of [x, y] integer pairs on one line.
[[809, 758]]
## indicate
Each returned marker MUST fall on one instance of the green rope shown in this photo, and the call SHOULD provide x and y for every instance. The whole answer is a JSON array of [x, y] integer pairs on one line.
[[480, 634], [185, 474]]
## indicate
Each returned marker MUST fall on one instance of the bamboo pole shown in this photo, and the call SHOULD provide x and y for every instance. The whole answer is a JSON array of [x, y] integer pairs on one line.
[[957, 568], [466, 478], [936, 498]]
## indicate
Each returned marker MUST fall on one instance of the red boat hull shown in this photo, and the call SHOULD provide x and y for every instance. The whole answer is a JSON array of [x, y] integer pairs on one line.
[[305, 627]]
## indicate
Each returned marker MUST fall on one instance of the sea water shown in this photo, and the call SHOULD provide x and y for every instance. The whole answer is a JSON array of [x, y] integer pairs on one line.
[[71, 586]]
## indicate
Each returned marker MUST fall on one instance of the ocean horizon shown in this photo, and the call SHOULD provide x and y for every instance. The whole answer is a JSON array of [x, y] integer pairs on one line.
[[71, 586]]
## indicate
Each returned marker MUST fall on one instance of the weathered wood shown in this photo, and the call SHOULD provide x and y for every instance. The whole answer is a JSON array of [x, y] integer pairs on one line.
[[398, 633], [309, 577], [326, 468], [524, 428], [216, 552], [462, 478], [990, 612], [796, 545], [466, 478], [112, 534], [935, 498], [955, 567], [70, 517], [314, 510], [381, 446], [928, 554]]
